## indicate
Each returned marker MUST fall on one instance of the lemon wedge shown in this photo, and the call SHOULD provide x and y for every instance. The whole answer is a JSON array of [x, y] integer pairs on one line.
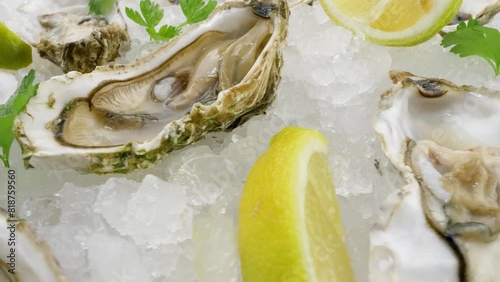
[[393, 22], [289, 221], [14, 52]]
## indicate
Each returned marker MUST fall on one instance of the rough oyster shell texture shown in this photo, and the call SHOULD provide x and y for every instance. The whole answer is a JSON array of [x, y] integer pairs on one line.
[[214, 76], [444, 224], [81, 42]]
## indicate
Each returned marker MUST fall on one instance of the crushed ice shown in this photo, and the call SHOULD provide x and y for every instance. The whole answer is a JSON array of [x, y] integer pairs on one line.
[[178, 220]]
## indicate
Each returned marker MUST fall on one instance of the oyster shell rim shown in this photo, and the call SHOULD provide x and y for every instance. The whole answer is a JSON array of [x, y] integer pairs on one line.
[[229, 110]]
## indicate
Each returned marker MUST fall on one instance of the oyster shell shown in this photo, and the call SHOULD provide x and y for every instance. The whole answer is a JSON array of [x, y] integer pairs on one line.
[[33, 259], [461, 198], [214, 76], [431, 130], [404, 248], [482, 10], [78, 42]]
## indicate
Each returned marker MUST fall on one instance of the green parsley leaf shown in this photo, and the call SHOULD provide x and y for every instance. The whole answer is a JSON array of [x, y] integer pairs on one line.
[[11, 109], [151, 12], [165, 33], [169, 31], [135, 16], [101, 7], [151, 15], [473, 39], [196, 10]]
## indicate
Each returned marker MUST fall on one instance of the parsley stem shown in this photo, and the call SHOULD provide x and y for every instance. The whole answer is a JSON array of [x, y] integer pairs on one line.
[[494, 66], [182, 24], [5, 159]]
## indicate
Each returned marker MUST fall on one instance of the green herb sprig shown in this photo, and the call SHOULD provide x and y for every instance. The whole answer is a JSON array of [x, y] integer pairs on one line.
[[101, 7], [11, 109], [473, 39], [151, 14]]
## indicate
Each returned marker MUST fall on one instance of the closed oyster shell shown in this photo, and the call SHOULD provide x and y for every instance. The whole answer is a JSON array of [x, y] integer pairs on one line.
[[214, 76], [78, 42]]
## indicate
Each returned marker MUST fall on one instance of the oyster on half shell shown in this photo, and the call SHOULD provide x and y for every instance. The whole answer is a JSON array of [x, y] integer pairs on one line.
[[461, 198], [214, 76], [444, 224]]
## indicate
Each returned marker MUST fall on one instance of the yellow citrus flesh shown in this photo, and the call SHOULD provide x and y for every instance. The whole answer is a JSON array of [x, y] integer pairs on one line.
[[361, 10], [393, 22], [14, 52], [396, 18], [290, 227]]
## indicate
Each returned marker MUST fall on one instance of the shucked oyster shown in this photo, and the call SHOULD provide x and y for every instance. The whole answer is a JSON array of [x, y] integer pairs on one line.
[[444, 140], [81, 42], [214, 76], [461, 198]]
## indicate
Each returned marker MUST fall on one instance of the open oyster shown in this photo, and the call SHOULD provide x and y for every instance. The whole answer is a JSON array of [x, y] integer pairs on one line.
[[24, 257], [78, 42], [443, 139], [214, 76], [461, 198]]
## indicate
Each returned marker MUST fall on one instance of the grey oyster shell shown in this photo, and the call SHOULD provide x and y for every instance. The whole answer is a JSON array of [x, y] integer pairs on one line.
[[81, 42], [213, 77]]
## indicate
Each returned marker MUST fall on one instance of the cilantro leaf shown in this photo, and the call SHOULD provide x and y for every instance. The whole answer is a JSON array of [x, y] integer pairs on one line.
[[151, 12], [473, 39], [135, 16], [11, 109], [101, 7]]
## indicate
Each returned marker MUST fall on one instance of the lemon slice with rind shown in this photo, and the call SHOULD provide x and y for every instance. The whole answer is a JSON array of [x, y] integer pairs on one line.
[[289, 220], [393, 22], [14, 52]]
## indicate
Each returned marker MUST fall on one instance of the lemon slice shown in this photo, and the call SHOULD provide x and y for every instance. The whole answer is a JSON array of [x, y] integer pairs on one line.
[[14, 52], [393, 22], [289, 221]]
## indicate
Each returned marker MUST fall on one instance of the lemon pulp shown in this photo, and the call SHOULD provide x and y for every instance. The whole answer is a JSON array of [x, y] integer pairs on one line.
[[393, 22]]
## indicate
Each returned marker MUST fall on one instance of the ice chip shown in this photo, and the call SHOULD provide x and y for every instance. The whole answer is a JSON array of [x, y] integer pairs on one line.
[[158, 213], [114, 259], [112, 198], [77, 207], [153, 212], [162, 260], [207, 179], [216, 248], [66, 242]]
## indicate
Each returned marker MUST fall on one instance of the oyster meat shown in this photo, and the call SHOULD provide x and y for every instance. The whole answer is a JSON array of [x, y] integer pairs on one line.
[[77, 42], [461, 198], [26, 258], [445, 141], [214, 76]]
